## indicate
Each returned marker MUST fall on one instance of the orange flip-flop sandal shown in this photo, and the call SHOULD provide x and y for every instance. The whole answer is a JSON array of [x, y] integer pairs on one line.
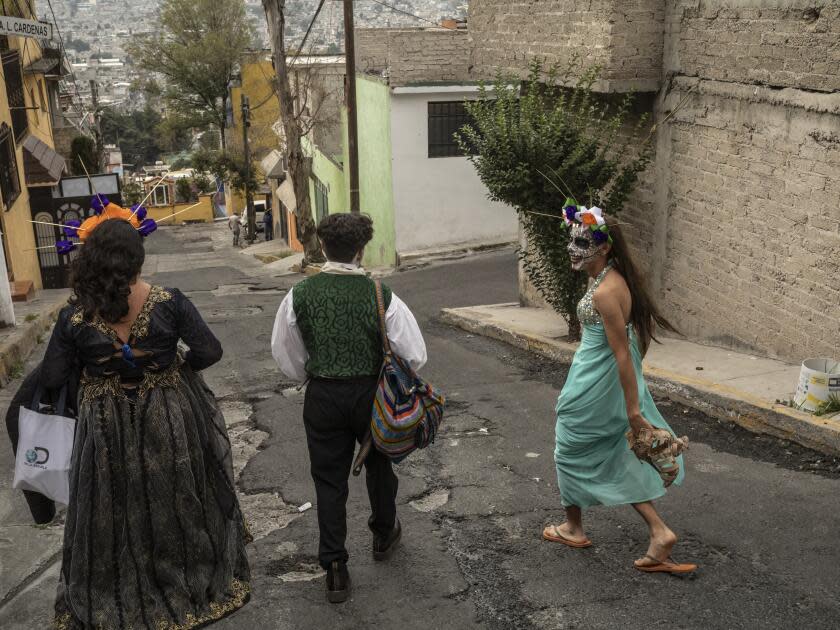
[[666, 566], [559, 538]]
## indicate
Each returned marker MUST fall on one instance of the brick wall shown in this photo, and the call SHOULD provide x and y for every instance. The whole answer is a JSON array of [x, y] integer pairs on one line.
[[412, 56], [753, 222], [372, 49], [429, 55], [737, 221], [623, 36], [792, 43]]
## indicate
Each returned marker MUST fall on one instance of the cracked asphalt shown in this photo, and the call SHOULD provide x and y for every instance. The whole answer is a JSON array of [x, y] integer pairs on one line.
[[760, 516]]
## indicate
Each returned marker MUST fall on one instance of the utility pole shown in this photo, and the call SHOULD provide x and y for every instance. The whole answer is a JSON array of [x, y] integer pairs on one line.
[[97, 126], [249, 194], [350, 92]]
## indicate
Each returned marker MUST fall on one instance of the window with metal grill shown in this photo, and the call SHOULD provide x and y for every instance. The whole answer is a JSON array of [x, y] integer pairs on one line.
[[9, 179], [446, 119], [15, 93], [322, 200]]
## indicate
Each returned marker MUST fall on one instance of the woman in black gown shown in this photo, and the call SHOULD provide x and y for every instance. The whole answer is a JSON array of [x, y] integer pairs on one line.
[[154, 536]]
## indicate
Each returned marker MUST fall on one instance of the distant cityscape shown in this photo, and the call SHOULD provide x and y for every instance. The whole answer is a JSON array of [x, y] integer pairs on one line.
[[95, 33]]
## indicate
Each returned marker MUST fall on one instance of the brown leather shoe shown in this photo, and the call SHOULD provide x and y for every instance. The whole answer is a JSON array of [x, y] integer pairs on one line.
[[338, 582], [382, 547]]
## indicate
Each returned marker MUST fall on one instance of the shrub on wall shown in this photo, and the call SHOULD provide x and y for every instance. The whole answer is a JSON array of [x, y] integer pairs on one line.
[[536, 145]]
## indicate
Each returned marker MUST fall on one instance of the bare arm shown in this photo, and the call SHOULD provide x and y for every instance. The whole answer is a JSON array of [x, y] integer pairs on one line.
[[607, 301]]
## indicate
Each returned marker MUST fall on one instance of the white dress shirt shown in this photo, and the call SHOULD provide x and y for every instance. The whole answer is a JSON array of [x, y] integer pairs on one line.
[[289, 351]]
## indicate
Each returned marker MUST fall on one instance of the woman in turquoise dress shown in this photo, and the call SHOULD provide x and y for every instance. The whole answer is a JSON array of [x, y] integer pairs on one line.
[[605, 395]]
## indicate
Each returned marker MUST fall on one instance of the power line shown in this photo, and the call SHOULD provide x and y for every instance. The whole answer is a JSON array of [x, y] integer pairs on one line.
[[64, 54], [309, 29], [409, 14], [297, 54]]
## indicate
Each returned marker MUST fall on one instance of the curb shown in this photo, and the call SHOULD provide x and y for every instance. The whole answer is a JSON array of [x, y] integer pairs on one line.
[[412, 259], [718, 401], [15, 350]]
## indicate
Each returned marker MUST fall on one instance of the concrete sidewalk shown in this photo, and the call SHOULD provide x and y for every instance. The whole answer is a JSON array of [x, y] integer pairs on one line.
[[34, 319], [722, 383]]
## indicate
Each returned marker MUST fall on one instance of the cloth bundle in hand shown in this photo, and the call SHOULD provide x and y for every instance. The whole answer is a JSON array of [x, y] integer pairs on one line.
[[660, 449]]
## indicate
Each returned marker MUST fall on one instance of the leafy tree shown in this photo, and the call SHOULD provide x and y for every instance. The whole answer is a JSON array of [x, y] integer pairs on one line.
[[228, 166], [135, 132], [84, 154], [209, 139], [196, 46], [535, 147], [179, 164], [202, 183], [132, 193], [184, 191]]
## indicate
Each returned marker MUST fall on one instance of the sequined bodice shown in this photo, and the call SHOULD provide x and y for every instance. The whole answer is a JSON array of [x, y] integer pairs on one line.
[[586, 312]]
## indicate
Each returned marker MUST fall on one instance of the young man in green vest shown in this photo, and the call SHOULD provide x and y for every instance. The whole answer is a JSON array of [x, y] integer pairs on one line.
[[327, 333]]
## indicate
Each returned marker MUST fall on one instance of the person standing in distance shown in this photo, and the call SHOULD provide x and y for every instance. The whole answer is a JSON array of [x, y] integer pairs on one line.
[[235, 226], [327, 333]]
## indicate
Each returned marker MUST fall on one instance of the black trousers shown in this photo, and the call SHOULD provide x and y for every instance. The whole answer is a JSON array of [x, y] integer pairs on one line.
[[336, 415]]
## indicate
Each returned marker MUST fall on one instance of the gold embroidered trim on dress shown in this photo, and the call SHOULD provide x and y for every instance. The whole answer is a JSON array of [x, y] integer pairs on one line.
[[240, 593], [140, 327], [94, 388]]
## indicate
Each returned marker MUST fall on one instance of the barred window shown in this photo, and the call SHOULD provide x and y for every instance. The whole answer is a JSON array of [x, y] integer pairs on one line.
[[9, 179], [445, 119], [322, 200], [14, 92]]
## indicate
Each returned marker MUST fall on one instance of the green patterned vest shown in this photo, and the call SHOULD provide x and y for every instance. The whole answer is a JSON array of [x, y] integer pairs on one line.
[[336, 315]]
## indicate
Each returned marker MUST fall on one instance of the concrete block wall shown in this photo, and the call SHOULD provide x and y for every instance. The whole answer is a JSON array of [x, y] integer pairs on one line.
[[737, 220], [783, 43], [753, 221], [413, 56], [741, 227], [623, 36], [429, 56], [372, 49]]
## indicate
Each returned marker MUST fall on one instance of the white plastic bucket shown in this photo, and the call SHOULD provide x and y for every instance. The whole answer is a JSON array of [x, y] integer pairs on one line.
[[819, 379]]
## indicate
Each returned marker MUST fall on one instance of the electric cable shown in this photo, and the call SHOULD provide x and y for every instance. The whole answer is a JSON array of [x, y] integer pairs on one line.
[[416, 17]]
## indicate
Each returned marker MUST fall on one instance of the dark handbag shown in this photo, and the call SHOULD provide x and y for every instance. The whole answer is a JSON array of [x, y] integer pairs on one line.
[[407, 411]]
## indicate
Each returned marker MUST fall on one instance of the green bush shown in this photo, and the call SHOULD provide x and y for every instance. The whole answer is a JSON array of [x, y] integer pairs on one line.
[[534, 146], [184, 192]]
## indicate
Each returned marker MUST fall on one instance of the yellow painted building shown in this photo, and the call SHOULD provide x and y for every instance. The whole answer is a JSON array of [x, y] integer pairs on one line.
[[200, 211], [30, 74], [256, 81]]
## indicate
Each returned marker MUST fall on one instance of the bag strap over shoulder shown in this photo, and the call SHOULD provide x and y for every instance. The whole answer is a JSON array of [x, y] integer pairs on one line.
[[380, 309]]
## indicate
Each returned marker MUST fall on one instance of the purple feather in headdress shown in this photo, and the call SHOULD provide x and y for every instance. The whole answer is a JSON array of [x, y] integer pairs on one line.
[[139, 211], [98, 203], [65, 247], [147, 227], [71, 228]]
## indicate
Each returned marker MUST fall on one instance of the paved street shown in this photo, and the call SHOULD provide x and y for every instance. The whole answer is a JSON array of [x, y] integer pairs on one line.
[[759, 515]]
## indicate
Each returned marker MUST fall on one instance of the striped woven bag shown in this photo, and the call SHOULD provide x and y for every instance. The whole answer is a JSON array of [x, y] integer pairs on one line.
[[407, 411]]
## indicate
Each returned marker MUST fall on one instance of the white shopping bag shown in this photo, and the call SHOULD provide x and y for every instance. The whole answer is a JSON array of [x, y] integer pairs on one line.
[[44, 452]]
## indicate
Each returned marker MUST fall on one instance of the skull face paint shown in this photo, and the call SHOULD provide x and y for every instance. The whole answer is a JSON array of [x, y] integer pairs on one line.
[[582, 247]]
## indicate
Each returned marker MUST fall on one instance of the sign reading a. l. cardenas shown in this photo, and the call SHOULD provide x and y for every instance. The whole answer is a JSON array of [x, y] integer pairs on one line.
[[17, 27]]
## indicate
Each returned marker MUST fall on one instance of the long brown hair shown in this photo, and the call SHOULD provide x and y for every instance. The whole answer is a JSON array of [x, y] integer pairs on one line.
[[644, 315]]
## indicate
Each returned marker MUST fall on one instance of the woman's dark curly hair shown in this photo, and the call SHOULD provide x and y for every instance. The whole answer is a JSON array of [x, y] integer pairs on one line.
[[344, 235], [101, 274]]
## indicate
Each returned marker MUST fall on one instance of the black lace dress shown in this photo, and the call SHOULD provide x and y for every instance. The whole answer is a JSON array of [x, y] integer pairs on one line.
[[154, 536]]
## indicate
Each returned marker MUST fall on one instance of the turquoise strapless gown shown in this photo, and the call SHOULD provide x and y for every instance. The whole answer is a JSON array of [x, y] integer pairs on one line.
[[595, 466]]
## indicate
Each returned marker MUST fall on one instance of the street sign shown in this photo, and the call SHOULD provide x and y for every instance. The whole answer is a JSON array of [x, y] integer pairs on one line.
[[18, 27]]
